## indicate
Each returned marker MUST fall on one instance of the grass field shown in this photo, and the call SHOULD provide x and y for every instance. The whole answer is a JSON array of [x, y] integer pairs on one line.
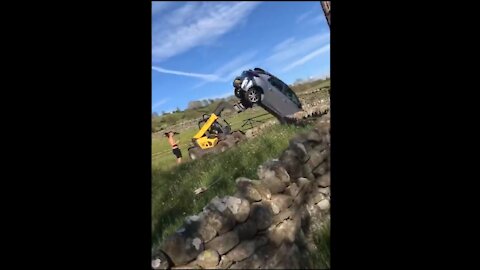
[[161, 150], [173, 186], [173, 190]]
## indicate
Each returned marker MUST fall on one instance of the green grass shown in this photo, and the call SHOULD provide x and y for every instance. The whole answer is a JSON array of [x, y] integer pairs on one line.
[[321, 258], [173, 190], [161, 151]]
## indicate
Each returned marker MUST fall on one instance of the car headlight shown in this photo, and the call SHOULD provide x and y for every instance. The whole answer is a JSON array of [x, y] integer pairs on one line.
[[246, 84]]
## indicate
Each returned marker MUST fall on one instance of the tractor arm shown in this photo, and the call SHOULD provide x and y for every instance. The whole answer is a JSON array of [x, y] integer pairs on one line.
[[206, 126]]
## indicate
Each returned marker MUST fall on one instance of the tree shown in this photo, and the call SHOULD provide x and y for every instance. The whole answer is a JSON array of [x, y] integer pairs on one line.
[[195, 104], [204, 103], [298, 81]]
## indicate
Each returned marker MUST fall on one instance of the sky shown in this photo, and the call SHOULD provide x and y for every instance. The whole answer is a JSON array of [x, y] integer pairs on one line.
[[198, 48]]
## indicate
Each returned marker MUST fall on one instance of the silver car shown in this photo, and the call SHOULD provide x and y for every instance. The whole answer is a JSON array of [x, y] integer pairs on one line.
[[260, 87]]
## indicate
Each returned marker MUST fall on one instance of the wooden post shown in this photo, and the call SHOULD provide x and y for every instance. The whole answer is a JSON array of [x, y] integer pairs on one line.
[[326, 9]]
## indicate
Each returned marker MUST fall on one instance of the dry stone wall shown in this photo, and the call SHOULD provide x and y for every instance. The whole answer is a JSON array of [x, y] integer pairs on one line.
[[267, 222]]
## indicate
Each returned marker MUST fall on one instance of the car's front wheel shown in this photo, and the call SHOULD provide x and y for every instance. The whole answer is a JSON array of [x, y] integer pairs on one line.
[[253, 95]]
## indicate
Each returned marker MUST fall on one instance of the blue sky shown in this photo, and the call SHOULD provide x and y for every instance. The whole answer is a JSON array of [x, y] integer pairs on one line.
[[199, 47]]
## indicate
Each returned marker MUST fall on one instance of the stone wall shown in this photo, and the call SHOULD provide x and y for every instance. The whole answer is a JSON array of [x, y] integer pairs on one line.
[[268, 222]]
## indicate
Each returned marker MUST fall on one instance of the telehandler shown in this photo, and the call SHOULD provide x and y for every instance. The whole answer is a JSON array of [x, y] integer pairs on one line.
[[213, 136]]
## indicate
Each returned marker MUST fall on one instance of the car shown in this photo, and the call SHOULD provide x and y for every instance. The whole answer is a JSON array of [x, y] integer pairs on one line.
[[260, 87]]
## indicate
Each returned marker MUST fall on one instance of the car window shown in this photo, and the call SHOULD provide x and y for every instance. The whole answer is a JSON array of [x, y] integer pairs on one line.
[[291, 95], [284, 89], [276, 83]]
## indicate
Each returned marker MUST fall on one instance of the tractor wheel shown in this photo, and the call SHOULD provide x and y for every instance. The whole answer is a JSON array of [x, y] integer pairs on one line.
[[195, 153], [224, 145]]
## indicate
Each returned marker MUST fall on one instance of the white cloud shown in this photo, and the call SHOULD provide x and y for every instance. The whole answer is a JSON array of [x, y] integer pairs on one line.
[[292, 50], [307, 57], [317, 19], [284, 44], [207, 77], [158, 6], [232, 68], [223, 95], [195, 24], [304, 16], [313, 16], [159, 103]]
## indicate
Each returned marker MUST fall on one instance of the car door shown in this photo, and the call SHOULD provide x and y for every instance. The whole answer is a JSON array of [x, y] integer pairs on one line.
[[280, 100]]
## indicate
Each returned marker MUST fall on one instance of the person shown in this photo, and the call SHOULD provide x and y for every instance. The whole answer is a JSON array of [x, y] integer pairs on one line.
[[175, 149]]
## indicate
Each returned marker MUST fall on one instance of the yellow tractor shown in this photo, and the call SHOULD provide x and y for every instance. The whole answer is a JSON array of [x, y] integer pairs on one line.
[[213, 137]]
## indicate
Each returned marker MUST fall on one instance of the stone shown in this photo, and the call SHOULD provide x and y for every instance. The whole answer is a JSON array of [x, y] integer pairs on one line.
[[207, 232], [284, 232], [181, 249], [261, 214], [315, 198], [224, 263], [316, 158], [323, 181], [218, 204], [325, 191], [320, 169], [223, 243], [222, 222], [314, 136], [246, 230], [264, 192], [247, 190], [307, 172], [283, 215], [240, 210], [188, 266], [261, 241], [290, 260], [291, 163], [242, 251], [324, 205], [252, 262], [303, 183], [292, 190], [275, 256], [305, 187], [208, 259], [299, 150], [273, 168], [280, 202], [160, 261], [274, 184], [320, 147], [198, 226]]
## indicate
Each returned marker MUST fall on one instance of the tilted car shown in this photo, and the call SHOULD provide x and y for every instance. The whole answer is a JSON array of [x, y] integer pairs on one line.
[[260, 87]]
